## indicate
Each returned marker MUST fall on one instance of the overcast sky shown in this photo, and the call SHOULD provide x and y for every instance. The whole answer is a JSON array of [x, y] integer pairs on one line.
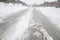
[[36, 1]]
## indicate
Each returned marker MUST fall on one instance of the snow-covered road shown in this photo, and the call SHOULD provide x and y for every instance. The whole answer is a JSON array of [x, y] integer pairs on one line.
[[23, 20], [18, 23], [49, 18], [27, 23], [21, 26]]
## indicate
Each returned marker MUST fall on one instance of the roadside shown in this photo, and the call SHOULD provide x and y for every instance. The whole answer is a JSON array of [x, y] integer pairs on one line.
[[52, 13], [49, 23]]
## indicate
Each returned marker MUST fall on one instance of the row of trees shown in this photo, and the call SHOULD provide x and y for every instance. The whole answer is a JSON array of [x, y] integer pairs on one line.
[[3, 0], [7, 0], [14, 1], [10, 1]]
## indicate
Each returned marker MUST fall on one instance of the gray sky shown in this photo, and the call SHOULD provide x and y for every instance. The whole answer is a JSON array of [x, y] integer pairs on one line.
[[36, 1]]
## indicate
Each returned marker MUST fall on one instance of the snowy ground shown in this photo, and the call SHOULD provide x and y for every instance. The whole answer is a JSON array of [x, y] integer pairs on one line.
[[52, 13], [6, 9], [23, 24], [10, 8], [20, 27]]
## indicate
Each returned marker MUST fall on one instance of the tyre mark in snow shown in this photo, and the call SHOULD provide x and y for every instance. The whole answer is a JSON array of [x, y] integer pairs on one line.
[[8, 21], [48, 25], [34, 31]]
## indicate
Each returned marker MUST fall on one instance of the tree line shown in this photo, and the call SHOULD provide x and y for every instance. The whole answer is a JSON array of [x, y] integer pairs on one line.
[[3, 0]]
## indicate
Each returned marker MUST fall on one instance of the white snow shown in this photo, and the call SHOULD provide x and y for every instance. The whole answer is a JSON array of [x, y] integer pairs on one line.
[[52, 13], [20, 27], [6, 9]]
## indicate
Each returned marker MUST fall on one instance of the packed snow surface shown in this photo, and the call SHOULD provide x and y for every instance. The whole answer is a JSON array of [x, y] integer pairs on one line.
[[20, 27], [52, 13]]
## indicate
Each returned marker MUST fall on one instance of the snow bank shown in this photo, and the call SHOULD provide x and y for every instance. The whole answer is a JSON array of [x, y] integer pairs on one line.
[[52, 13], [8, 8]]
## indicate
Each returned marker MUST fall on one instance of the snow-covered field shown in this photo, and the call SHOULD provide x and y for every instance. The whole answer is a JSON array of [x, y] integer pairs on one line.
[[6, 9], [52, 13]]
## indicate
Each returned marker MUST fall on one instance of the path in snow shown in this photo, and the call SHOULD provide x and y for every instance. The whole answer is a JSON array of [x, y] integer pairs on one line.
[[50, 27], [9, 21], [27, 27], [35, 30]]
